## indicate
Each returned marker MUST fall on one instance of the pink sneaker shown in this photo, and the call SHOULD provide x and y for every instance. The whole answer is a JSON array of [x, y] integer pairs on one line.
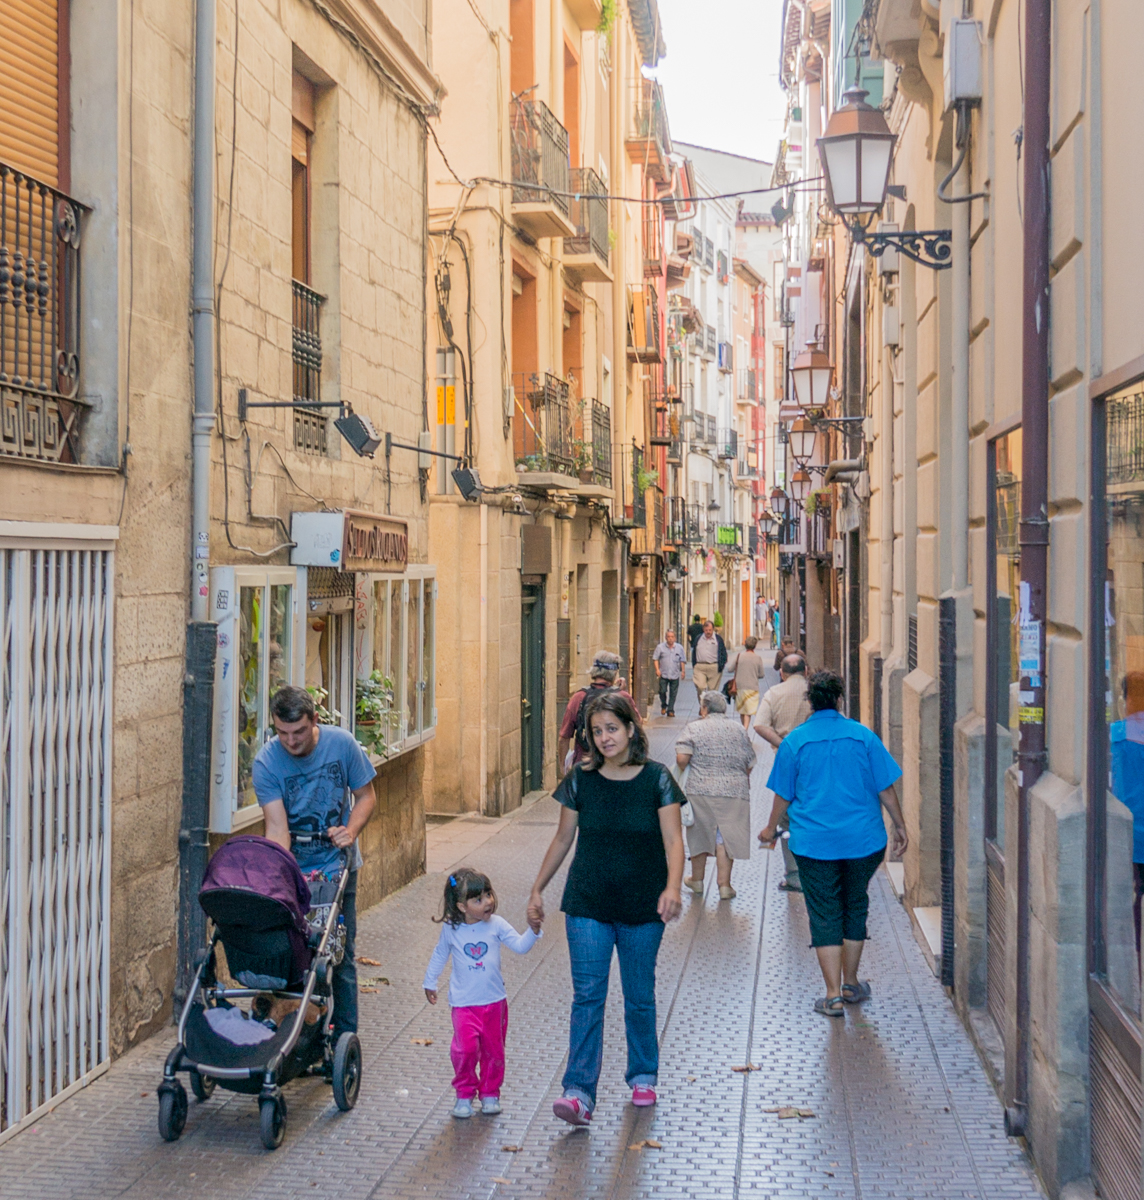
[[574, 1111], [643, 1097]]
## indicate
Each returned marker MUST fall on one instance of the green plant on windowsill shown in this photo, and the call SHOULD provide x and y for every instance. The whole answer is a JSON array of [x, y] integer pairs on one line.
[[326, 716], [375, 713], [646, 479], [531, 462]]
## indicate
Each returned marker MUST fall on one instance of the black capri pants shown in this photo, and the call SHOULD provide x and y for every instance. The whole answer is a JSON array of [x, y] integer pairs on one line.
[[837, 898]]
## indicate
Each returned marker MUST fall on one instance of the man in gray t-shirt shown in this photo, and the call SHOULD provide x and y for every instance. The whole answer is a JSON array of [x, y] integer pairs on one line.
[[670, 661], [304, 779]]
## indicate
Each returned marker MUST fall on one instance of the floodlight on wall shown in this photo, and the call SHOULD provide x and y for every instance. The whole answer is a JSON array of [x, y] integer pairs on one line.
[[358, 431], [468, 483], [856, 151]]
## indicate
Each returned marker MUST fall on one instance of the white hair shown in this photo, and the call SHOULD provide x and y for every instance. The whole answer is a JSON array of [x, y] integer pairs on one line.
[[714, 702]]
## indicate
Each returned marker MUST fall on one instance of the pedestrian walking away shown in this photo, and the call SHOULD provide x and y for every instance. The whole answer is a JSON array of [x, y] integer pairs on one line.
[[786, 647], [670, 662], [471, 937], [622, 811], [784, 707], [572, 745], [747, 668], [694, 631], [708, 658], [762, 616], [718, 757], [831, 778], [304, 779]]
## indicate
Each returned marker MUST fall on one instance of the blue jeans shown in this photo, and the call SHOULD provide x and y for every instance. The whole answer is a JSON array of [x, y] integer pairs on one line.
[[590, 945], [345, 985]]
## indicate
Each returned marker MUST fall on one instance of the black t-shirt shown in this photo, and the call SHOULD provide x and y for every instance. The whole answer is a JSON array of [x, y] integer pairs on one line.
[[619, 869]]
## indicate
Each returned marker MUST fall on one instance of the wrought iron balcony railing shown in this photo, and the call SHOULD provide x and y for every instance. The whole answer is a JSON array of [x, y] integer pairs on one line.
[[542, 424], [726, 357], [588, 211], [39, 320], [753, 540], [540, 167], [711, 343], [649, 142], [746, 385], [601, 444], [728, 443], [721, 264], [310, 426], [644, 338]]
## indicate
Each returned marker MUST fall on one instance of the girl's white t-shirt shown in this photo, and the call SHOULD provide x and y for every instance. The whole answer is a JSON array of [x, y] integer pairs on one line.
[[475, 951]]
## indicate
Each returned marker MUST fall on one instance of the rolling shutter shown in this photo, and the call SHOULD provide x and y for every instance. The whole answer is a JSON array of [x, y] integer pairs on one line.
[[29, 101]]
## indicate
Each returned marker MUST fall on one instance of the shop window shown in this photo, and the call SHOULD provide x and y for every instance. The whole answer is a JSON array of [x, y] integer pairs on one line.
[[1119, 823], [257, 612], [396, 646]]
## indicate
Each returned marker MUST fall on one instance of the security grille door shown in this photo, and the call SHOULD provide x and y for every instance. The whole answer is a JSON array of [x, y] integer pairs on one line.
[[55, 789], [532, 688]]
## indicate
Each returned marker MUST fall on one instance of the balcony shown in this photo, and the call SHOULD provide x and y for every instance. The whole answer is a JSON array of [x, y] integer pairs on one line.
[[730, 538], [654, 245], [586, 252], [39, 320], [310, 426], [665, 426], [542, 430], [645, 344], [753, 540], [601, 444], [649, 142], [727, 443], [709, 254], [819, 530], [541, 204], [721, 266], [726, 356], [632, 484], [746, 386], [711, 342], [697, 254]]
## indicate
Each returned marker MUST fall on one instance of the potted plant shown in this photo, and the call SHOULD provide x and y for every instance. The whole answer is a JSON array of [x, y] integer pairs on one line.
[[646, 479], [374, 712], [325, 716], [582, 459]]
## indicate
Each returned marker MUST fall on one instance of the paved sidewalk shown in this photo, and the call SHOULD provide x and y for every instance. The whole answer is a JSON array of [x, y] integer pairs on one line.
[[901, 1105]]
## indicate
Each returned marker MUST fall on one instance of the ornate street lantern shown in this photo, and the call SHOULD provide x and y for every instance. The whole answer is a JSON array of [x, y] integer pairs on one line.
[[780, 502], [800, 485], [801, 438]]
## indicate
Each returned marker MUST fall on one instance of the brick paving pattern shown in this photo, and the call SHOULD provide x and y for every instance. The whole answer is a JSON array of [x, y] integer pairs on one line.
[[901, 1105]]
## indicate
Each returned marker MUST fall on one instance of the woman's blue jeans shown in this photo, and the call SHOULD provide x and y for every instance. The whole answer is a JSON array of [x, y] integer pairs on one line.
[[590, 946]]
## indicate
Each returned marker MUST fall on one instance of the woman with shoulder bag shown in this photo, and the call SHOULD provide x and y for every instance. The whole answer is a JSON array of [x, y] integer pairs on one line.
[[718, 756]]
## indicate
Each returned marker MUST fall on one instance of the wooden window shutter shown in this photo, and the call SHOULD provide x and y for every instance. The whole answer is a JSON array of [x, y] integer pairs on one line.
[[30, 99]]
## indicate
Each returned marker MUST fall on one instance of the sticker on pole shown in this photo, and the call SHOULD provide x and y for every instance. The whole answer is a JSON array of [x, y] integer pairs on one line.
[[1029, 649], [1028, 715]]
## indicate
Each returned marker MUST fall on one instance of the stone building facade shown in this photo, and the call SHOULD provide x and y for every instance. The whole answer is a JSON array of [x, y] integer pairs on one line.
[[948, 662], [95, 531]]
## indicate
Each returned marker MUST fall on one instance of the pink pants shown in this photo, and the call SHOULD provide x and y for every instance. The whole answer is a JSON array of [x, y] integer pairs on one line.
[[478, 1041]]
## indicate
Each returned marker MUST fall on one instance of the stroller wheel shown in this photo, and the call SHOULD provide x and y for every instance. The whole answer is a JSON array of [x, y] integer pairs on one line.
[[203, 1086], [272, 1121], [172, 1110], [347, 1071]]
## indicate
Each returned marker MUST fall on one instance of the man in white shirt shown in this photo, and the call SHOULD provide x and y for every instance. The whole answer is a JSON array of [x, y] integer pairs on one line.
[[670, 661]]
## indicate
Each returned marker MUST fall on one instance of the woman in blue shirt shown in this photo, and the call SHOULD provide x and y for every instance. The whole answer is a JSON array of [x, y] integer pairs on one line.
[[831, 778]]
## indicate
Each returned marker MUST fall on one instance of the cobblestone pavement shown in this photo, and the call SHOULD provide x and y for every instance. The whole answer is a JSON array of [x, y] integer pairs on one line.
[[901, 1105]]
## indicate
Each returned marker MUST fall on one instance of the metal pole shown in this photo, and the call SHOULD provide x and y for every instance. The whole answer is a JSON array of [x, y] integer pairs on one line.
[[1034, 537], [203, 304]]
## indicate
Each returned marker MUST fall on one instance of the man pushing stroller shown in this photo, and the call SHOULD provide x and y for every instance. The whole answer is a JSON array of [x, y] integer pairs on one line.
[[304, 779]]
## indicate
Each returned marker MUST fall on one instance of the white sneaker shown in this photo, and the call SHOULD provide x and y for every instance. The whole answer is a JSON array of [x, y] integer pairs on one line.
[[490, 1105], [463, 1108]]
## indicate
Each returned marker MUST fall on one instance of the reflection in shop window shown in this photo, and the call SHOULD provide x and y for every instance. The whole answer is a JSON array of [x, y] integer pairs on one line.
[[1123, 841]]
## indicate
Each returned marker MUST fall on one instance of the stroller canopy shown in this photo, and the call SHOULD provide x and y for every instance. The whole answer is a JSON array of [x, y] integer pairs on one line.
[[253, 883]]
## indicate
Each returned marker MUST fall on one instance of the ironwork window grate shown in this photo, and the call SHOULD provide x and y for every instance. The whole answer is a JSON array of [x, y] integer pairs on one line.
[[310, 426], [912, 643], [540, 166], [601, 443], [39, 319], [1125, 438]]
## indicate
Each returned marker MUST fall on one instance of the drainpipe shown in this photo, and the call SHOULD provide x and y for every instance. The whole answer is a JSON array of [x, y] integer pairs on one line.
[[886, 630], [198, 677], [1034, 535], [619, 312], [203, 318]]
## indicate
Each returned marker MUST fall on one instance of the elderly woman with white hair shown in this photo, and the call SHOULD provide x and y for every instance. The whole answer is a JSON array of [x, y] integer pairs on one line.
[[720, 757]]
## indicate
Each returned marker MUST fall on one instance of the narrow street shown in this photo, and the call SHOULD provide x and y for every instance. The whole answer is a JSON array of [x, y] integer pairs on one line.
[[901, 1105]]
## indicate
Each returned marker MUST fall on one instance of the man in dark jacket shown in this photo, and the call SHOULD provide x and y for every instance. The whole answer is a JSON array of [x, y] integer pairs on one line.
[[694, 631], [708, 658]]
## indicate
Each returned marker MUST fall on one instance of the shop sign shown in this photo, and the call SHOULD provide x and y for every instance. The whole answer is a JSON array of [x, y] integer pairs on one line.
[[726, 535], [374, 543]]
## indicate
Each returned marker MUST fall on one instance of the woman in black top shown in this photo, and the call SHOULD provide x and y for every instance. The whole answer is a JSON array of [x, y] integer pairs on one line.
[[623, 886]]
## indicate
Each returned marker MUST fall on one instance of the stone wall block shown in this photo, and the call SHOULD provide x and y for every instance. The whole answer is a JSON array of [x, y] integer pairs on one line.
[[969, 863], [1069, 414], [1058, 1108], [921, 792]]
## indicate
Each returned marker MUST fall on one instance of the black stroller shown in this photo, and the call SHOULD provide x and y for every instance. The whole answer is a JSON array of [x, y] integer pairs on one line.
[[281, 944]]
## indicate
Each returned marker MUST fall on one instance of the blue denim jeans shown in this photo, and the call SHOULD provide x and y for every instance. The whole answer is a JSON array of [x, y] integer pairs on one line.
[[345, 984], [590, 946]]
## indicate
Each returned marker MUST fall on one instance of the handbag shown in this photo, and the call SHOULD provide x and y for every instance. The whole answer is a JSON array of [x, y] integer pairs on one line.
[[686, 812]]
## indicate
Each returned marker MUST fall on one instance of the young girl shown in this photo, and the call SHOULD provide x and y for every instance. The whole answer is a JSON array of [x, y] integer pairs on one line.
[[472, 936]]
